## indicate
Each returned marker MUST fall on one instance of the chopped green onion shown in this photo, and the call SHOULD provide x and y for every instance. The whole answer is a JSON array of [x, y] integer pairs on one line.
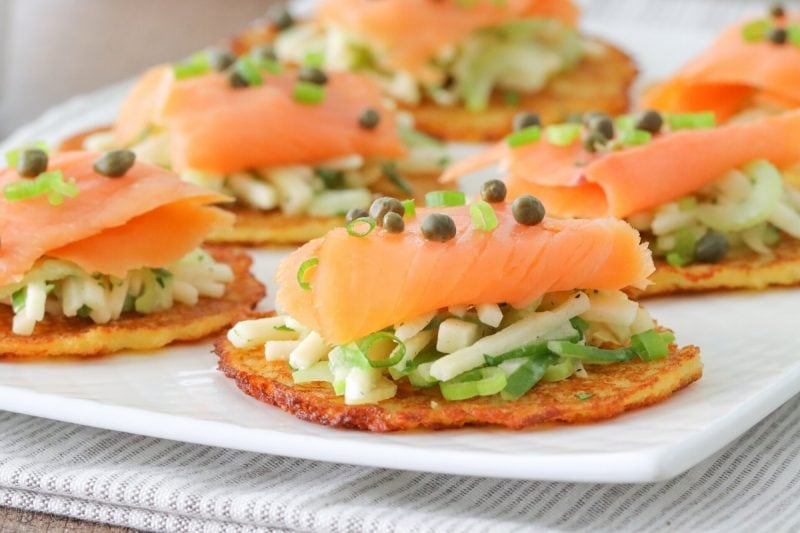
[[410, 207], [536, 350], [445, 198], [683, 252], [562, 134], [590, 354], [307, 265], [352, 228], [625, 122], [480, 382], [84, 311], [651, 344], [635, 137], [50, 183], [306, 92], [247, 68], [314, 59], [12, 156], [18, 299], [389, 170], [511, 98], [524, 136], [282, 327], [398, 352], [682, 121], [687, 203], [559, 371], [196, 65], [756, 30], [524, 378], [793, 34], [582, 396], [333, 179], [581, 325], [483, 216], [267, 65]]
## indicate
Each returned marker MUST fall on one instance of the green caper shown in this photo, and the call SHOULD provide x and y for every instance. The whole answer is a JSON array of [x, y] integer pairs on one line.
[[526, 119], [237, 81], [711, 248], [312, 75], [493, 191], [264, 51], [777, 35], [32, 162], [603, 125], [777, 10], [438, 227], [220, 59], [393, 223], [281, 18], [650, 121], [369, 118], [527, 210], [115, 164], [355, 213], [592, 141], [384, 205]]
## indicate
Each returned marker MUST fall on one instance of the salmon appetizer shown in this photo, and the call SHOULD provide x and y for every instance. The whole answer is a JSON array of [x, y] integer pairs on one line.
[[295, 149], [100, 253], [469, 67], [454, 314], [750, 70], [719, 206]]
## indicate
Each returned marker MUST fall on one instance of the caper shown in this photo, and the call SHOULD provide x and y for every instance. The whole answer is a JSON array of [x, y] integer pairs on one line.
[[384, 205], [650, 121], [777, 35], [603, 125], [220, 59], [264, 51], [393, 223], [711, 248], [438, 227], [237, 81], [592, 141], [32, 162], [527, 210], [369, 118], [312, 75], [493, 191], [355, 213], [777, 10], [115, 164], [281, 18], [526, 119]]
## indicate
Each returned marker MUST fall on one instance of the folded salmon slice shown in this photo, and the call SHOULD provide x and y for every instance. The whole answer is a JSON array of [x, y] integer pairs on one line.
[[730, 75], [148, 218], [572, 182], [216, 128], [362, 285], [411, 32]]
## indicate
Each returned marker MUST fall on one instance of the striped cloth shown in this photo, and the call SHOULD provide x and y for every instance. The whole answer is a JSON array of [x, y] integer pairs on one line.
[[158, 485]]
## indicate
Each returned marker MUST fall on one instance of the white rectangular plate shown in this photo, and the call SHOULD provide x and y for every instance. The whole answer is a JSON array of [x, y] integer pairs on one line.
[[749, 345]]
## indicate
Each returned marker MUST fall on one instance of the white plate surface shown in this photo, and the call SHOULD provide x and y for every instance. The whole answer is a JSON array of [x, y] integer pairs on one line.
[[749, 345]]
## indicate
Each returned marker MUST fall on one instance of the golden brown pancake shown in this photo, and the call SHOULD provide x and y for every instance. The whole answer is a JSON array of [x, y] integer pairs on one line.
[[609, 390], [750, 271], [80, 337]]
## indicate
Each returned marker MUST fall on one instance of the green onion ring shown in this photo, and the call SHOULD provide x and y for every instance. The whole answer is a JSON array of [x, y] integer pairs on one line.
[[371, 339], [480, 382], [445, 199], [483, 216], [352, 230], [301, 272]]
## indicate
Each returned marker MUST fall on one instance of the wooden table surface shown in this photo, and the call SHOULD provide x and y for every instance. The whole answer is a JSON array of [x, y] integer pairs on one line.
[[16, 521]]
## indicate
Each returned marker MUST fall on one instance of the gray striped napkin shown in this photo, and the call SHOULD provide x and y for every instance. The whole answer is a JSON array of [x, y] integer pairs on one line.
[[159, 485]]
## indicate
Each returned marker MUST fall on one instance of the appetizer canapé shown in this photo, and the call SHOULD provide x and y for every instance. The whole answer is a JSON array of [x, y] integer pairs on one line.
[[297, 149], [462, 68], [454, 315], [752, 69], [719, 206], [99, 253]]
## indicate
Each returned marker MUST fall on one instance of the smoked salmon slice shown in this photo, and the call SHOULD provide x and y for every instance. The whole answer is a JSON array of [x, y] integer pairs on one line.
[[362, 285], [732, 75], [572, 182], [147, 218], [216, 128], [433, 25]]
